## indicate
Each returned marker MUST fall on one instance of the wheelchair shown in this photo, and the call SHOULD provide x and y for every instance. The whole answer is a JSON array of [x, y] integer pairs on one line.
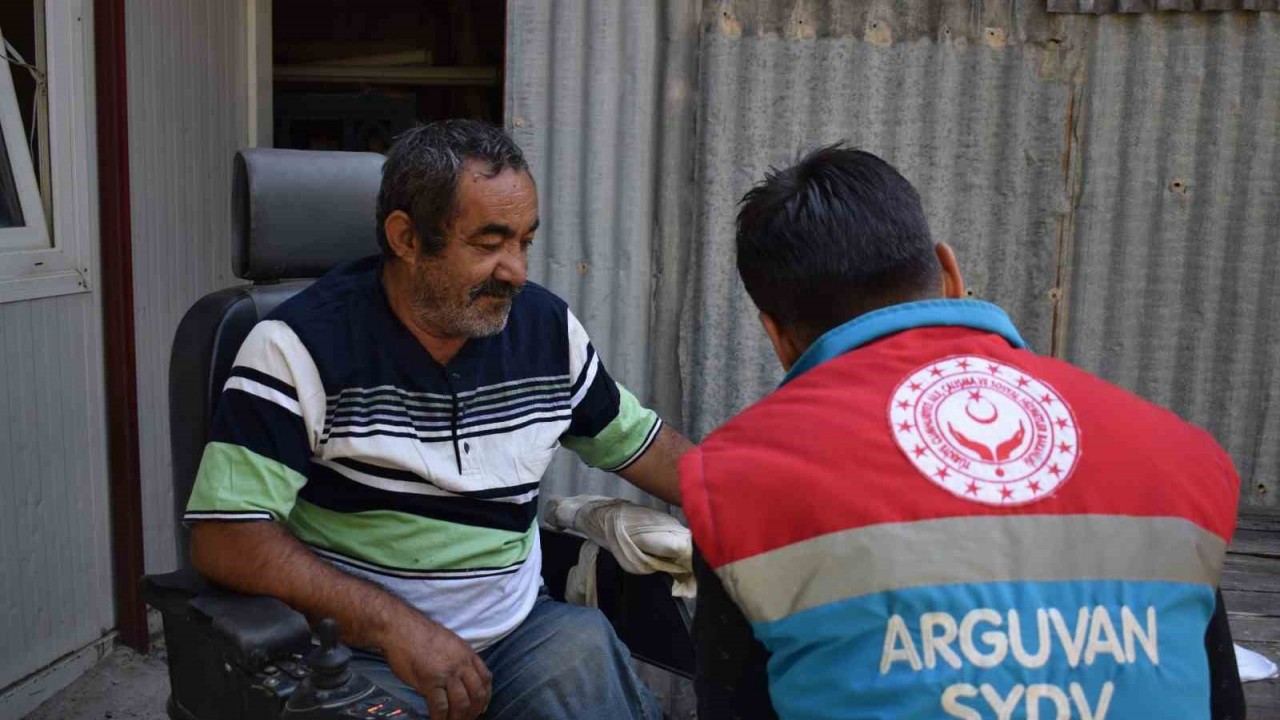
[[297, 214]]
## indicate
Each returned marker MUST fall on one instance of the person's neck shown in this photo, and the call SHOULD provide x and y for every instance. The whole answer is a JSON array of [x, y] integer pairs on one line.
[[398, 288]]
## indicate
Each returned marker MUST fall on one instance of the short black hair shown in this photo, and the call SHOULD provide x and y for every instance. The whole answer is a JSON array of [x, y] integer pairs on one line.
[[832, 237], [421, 173]]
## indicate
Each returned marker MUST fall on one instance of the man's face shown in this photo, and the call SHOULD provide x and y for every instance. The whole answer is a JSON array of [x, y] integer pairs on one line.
[[467, 288]]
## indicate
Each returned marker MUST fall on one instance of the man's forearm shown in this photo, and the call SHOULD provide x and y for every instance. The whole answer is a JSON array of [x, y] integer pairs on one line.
[[656, 471], [262, 558]]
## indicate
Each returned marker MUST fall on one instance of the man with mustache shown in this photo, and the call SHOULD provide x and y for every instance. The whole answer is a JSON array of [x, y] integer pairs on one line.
[[928, 520], [378, 449]]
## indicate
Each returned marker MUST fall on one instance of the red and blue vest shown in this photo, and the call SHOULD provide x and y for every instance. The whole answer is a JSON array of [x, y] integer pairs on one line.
[[927, 520]]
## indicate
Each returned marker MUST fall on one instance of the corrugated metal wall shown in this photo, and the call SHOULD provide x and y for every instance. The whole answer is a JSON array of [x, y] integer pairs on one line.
[[971, 108], [1049, 149], [187, 118], [586, 100], [1151, 6], [55, 568], [1175, 287]]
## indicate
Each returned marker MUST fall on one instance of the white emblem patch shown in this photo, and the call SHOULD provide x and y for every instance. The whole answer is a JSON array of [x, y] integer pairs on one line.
[[985, 431]]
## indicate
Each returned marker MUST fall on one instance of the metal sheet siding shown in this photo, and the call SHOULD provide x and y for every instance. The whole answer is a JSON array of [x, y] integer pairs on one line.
[[1176, 261], [188, 116], [981, 131], [1099, 7], [1128, 161], [584, 100], [55, 559]]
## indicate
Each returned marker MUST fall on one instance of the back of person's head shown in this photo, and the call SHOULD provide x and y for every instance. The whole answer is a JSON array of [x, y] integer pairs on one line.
[[421, 173], [837, 235]]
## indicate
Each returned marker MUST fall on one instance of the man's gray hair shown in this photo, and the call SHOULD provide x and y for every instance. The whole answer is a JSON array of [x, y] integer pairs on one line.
[[422, 169]]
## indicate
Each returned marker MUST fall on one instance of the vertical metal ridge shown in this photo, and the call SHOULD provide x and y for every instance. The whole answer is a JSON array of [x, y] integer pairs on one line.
[[1175, 263], [584, 100]]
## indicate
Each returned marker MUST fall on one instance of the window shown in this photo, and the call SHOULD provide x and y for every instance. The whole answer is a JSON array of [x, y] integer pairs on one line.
[[22, 224], [48, 219]]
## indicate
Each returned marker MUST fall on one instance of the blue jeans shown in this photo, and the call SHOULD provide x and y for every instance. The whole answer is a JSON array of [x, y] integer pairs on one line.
[[564, 662]]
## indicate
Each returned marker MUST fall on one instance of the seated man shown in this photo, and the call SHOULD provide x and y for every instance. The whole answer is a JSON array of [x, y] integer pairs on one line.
[[378, 448], [927, 520]]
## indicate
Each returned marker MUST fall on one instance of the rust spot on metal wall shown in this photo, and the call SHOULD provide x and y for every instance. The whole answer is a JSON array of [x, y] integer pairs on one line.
[[910, 20], [995, 37], [802, 26], [726, 22], [879, 33]]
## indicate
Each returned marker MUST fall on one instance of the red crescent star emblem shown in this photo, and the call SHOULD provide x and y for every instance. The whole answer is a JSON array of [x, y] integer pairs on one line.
[[984, 431]]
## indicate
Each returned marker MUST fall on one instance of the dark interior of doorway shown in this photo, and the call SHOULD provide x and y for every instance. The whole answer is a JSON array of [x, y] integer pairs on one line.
[[352, 74]]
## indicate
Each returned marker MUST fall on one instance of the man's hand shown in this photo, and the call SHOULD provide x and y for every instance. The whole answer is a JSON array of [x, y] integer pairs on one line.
[[262, 558], [440, 666], [656, 471]]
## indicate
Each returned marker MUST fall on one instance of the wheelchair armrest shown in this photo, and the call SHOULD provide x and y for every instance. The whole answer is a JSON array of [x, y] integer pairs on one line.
[[253, 630]]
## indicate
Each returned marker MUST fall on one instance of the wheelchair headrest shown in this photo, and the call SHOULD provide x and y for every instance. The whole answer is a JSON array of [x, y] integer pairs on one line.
[[299, 213]]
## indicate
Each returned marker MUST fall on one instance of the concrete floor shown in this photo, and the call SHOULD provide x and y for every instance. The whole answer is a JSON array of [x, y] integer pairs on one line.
[[124, 686], [129, 686]]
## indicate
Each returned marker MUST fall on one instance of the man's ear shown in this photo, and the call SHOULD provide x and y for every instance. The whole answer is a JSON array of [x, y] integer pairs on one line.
[[401, 237], [952, 281], [784, 343]]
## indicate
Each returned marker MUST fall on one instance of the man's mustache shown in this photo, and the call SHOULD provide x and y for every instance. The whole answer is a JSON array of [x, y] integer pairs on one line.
[[496, 288]]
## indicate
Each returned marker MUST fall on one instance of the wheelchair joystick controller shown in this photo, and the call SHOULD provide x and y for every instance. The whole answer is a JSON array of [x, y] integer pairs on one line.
[[332, 691], [329, 661]]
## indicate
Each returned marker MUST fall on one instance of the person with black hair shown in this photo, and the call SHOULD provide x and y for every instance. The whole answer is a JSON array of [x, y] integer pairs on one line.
[[378, 450], [928, 520]]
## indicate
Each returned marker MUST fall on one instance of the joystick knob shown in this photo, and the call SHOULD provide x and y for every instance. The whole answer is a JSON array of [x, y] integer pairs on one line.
[[329, 661]]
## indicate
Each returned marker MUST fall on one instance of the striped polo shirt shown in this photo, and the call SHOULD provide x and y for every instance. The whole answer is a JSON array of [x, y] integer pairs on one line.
[[420, 477]]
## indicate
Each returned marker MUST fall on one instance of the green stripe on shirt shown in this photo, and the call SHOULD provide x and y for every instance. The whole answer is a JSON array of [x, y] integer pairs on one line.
[[409, 542], [233, 478], [621, 439]]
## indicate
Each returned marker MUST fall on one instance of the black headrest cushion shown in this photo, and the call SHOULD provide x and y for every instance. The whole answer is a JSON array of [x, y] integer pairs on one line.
[[298, 213]]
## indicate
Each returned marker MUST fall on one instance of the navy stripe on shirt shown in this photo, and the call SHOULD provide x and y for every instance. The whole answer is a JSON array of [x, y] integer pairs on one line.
[[258, 376], [597, 408], [440, 436], [262, 427], [406, 476], [328, 489]]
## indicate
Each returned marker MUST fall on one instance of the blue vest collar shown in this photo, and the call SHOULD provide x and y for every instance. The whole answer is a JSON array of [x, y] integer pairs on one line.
[[880, 323]]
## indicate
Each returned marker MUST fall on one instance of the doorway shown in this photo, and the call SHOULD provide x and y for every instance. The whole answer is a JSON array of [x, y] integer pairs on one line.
[[353, 74]]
